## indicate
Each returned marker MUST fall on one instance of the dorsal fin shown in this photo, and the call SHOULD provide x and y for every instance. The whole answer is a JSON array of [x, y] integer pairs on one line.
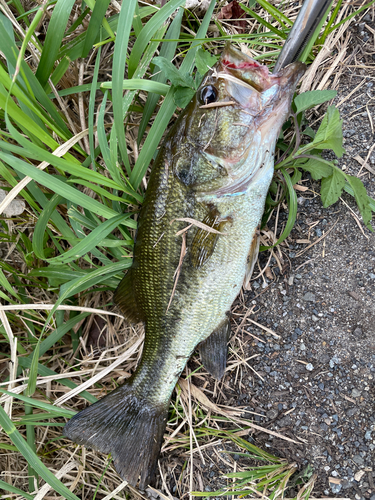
[[124, 297]]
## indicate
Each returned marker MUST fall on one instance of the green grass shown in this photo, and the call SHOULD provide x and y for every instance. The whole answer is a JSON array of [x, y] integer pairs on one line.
[[84, 190]]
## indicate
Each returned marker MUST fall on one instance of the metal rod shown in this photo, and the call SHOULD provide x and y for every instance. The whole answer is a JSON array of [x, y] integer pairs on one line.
[[309, 17]]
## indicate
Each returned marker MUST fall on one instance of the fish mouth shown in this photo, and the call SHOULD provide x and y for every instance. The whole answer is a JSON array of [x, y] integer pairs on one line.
[[251, 84]]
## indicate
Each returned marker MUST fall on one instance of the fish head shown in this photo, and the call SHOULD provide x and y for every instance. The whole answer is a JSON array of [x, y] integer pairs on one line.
[[234, 121]]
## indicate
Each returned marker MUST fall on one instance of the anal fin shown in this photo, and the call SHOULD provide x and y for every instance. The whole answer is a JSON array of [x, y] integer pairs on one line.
[[214, 350], [124, 297]]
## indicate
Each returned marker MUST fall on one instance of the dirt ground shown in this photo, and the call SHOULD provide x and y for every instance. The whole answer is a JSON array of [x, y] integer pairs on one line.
[[315, 383]]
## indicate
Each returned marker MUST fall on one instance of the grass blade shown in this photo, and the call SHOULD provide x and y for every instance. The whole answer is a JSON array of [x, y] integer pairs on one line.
[[119, 60], [32, 458], [167, 50], [54, 36], [167, 109], [148, 31], [93, 29]]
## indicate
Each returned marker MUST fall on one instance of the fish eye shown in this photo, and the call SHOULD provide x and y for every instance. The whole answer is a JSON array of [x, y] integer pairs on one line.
[[208, 94]]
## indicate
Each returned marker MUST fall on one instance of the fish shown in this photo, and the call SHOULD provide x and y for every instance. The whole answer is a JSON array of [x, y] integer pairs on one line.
[[196, 244]]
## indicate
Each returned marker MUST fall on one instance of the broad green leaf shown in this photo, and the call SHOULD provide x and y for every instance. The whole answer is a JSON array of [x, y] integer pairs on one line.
[[183, 96], [204, 61], [371, 201], [312, 98], [309, 132], [329, 135], [362, 199], [317, 168], [173, 74], [332, 187]]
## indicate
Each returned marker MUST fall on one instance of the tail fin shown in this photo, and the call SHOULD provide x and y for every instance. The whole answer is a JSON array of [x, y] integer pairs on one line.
[[129, 428]]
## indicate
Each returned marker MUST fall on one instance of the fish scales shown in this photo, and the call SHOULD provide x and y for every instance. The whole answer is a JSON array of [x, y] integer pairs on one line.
[[213, 170]]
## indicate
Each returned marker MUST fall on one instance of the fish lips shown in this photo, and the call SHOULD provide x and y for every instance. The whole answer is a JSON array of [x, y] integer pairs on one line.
[[251, 84]]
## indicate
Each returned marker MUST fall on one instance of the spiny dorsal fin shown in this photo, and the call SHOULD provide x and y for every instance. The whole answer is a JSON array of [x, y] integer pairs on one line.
[[214, 350], [204, 242], [124, 297], [252, 257]]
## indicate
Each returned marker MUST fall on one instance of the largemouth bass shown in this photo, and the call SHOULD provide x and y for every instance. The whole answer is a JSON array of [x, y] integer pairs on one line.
[[195, 246]]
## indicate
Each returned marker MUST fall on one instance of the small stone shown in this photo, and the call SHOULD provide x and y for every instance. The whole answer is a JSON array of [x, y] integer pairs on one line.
[[355, 393], [352, 411], [271, 414], [358, 476], [358, 460], [309, 297], [335, 488], [151, 493], [15, 207], [314, 318], [368, 435], [309, 367]]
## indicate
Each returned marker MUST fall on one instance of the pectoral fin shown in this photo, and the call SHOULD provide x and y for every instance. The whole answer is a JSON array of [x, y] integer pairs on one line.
[[214, 350], [204, 242], [251, 259], [124, 297]]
